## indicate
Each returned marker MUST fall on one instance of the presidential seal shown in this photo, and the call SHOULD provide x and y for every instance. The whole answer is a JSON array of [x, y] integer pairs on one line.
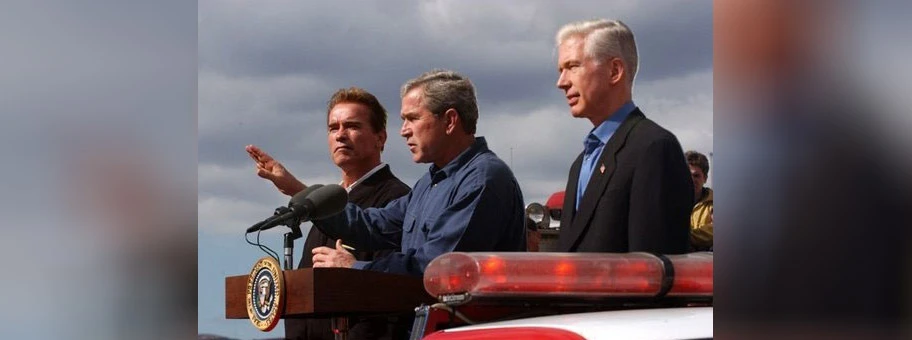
[[265, 294]]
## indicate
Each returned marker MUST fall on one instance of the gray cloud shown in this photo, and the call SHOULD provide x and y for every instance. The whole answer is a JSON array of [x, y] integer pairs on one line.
[[266, 71], [345, 39]]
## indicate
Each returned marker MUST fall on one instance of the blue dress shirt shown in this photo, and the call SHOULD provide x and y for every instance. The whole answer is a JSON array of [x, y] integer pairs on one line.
[[595, 143], [471, 204]]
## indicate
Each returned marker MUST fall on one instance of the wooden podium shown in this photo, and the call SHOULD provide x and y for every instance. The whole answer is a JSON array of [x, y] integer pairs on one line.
[[335, 293]]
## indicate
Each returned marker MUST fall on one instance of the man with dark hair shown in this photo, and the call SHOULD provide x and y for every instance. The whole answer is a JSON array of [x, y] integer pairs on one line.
[[356, 126], [701, 219], [468, 200]]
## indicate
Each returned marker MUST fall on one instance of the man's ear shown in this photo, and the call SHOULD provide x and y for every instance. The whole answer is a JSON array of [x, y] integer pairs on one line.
[[381, 139], [616, 70], [451, 119]]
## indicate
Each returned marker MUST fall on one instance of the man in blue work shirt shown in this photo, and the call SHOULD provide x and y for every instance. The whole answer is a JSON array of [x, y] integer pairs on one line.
[[469, 199]]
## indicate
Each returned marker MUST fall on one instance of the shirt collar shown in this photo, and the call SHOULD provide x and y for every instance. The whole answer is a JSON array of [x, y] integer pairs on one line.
[[607, 128], [368, 174], [477, 147]]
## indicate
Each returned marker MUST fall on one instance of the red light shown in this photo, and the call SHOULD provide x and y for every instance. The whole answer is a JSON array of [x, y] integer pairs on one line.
[[455, 273], [494, 267], [532, 333], [564, 268], [455, 281], [693, 274], [565, 274]]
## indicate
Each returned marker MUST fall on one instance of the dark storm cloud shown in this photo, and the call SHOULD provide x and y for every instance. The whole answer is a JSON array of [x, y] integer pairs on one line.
[[266, 71], [389, 39]]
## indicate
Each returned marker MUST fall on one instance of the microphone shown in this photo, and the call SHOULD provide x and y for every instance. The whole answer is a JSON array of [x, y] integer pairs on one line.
[[282, 213], [315, 202], [325, 202]]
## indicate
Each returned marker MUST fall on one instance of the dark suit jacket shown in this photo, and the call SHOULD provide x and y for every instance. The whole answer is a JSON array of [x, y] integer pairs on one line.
[[640, 202], [375, 191]]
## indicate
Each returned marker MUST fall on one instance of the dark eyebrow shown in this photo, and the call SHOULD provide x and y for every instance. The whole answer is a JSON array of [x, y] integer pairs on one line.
[[347, 122]]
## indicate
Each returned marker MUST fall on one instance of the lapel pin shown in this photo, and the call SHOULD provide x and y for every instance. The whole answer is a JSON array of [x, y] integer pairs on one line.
[[602, 169]]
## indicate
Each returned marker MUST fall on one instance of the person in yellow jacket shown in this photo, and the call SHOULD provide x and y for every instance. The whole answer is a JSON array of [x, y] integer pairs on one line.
[[701, 219]]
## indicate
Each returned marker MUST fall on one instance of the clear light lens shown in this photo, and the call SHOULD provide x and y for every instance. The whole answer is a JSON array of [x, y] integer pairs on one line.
[[535, 212]]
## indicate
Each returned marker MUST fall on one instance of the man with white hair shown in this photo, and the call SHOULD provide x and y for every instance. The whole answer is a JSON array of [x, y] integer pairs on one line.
[[630, 188]]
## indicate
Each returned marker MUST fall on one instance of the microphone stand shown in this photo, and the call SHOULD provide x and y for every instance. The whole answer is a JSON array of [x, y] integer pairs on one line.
[[289, 242], [339, 324]]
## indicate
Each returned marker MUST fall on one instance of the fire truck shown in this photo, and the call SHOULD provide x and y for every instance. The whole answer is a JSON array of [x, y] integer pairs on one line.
[[543, 223], [549, 295]]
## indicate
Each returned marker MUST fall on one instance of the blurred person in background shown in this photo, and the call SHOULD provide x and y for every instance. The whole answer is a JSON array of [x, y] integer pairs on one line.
[[629, 189], [356, 135], [701, 219], [817, 236], [140, 224]]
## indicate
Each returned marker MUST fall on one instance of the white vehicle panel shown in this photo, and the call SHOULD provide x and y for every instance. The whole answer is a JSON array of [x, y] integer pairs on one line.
[[655, 324]]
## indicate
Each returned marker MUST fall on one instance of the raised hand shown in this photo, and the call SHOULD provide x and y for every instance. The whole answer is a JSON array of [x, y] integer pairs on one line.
[[271, 169]]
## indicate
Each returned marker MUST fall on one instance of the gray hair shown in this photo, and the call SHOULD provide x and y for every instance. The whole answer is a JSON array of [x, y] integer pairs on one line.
[[604, 39], [442, 90]]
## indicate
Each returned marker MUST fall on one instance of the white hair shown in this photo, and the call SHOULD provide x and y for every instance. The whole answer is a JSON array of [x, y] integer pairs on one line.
[[604, 39]]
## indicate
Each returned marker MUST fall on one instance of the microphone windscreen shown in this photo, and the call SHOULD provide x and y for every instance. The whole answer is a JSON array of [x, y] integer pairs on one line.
[[327, 201], [298, 199]]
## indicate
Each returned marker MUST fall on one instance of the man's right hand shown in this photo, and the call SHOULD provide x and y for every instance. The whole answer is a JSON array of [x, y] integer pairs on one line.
[[271, 169]]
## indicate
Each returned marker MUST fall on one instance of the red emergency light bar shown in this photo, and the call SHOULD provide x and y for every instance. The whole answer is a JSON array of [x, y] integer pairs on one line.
[[570, 275]]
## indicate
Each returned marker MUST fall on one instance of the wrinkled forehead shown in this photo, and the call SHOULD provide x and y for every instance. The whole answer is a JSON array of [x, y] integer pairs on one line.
[[412, 102], [349, 112], [572, 45], [571, 52]]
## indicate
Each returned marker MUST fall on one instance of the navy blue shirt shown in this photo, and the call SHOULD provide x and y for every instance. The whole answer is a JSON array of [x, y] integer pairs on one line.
[[471, 204], [595, 143]]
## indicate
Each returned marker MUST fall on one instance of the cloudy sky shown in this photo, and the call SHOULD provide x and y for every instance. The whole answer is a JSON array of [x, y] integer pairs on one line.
[[267, 68]]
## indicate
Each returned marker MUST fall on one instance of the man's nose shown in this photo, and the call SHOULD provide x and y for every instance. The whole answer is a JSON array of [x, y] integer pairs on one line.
[[562, 82], [405, 131], [340, 134]]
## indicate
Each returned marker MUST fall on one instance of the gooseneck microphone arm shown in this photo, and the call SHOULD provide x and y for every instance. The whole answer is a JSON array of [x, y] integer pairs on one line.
[[315, 202], [290, 216], [281, 214], [296, 208]]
